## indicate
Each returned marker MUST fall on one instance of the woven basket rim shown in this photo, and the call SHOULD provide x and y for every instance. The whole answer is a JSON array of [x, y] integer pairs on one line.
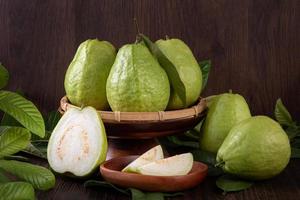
[[117, 116]]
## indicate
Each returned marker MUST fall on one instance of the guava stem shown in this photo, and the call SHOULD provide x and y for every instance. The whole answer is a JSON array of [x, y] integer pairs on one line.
[[220, 164], [167, 37], [230, 91]]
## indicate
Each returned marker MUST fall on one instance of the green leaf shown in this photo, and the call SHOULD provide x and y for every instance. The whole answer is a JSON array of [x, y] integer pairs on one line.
[[23, 111], [173, 75], [175, 140], [205, 66], [19, 158], [204, 156], [214, 171], [95, 183], [36, 150], [40, 177], [292, 132], [52, 120], [13, 140], [230, 183], [8, 120], [198, 127], [193, 134], [282, 115], [139, 195], [3, 177], [4, 76], [16, 191], [295, 153]]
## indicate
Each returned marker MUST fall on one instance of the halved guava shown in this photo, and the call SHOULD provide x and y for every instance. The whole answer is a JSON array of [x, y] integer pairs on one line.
[[78, 144], [156, 153], [172, 166]]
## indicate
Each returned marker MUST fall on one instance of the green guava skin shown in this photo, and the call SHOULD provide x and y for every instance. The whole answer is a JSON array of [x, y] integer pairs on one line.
[[225, 111], [85, 80], [255, 149], [188, 68], [137, 83]]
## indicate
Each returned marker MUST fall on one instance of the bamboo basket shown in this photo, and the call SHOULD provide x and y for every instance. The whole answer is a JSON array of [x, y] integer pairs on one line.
[[133, 125]]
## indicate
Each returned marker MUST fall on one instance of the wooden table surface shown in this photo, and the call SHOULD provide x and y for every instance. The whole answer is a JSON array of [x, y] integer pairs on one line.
[[285, 186]]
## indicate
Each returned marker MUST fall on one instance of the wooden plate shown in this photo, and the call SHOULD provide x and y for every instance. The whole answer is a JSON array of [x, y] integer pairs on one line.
[[111, 172], [144, 125]]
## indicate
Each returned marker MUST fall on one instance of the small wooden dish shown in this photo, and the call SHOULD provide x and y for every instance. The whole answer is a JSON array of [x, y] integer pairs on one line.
[[111, 172]]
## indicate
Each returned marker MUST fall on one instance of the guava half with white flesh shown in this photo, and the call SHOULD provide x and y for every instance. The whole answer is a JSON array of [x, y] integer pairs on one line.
[[173, 166], [78, 144], [156, 153]]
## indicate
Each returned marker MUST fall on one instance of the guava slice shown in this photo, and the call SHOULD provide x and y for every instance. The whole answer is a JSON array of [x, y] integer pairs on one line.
[[78, 143], [173, 166], [156, 153]]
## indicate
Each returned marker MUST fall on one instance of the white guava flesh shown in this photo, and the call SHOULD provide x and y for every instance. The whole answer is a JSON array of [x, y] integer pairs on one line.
[[78, 143], [172, 166], [156, 153]]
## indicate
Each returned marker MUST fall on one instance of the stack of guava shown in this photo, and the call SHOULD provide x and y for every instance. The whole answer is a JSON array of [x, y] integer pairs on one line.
[[131, 80]]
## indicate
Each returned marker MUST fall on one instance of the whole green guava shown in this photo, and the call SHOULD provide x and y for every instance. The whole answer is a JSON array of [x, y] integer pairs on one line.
[[137, 83], [225, 111], [85, 80], [256, 149], [188, 68]]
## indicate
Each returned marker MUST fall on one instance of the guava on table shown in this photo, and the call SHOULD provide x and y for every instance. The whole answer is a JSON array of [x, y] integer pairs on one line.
[[172, 166], [257, 149], [85, 80], [137, 83], [225, 111], [188, 68], [78, 144], [155, 153]]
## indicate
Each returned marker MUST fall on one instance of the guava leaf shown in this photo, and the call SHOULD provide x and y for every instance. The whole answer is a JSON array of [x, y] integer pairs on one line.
[[282, 115], [175, 140], [3, 177], [173, 75], [295, 153], [36, 150], [13, 140], [139, 195], [193, 134], [204, 156], [52, 119], [40, 177], [8, 120], [23, 111], [199, 126], [16, 190], [205, 66], [230, 183], [4, 76], [292, 131], [95, 183], [19, 158]]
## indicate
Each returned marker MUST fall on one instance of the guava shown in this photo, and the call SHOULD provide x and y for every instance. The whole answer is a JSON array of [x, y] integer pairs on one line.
[[78, 143], [155, 153], [225, 111], [85, 80], [137, 83], [256, 148], [173, 166], [188, 68]]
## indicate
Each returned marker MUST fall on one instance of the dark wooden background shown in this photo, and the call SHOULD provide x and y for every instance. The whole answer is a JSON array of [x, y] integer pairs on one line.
[[254, 45]]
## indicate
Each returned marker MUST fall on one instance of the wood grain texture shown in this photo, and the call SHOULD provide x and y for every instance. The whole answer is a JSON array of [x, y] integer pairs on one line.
[[253, 45]]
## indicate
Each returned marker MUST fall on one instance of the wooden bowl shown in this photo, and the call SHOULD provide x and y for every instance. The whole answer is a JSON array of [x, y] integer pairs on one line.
[[111, 172], [144, 125]]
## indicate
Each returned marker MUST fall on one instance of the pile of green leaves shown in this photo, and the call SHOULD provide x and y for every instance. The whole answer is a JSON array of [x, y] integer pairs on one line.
[[19, 179]]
